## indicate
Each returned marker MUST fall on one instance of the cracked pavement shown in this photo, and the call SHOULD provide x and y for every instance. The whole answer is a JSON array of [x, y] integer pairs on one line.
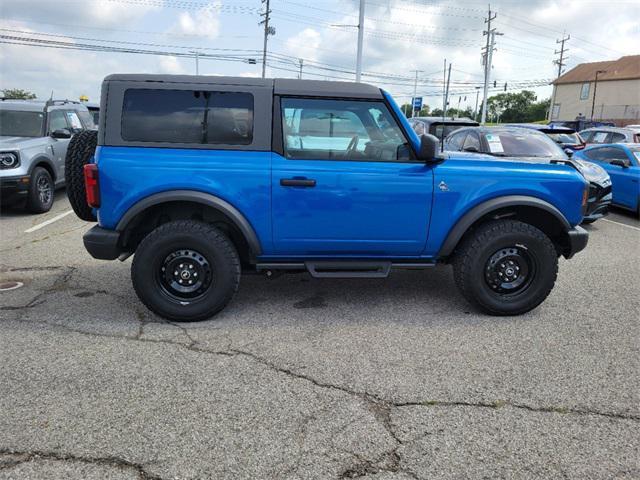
[[305, 379]]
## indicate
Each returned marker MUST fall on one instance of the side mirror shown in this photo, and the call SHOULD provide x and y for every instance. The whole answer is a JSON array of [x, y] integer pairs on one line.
[[61, 133], [569, 152], [429, 146], [619, 163]]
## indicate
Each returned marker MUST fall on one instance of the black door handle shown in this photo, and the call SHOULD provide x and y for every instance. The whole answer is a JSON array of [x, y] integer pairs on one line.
[[297, 182]]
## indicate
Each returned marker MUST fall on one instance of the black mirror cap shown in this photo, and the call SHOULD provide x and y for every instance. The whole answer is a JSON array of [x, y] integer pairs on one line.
[[61, 133], [568, 152], [429, 148]]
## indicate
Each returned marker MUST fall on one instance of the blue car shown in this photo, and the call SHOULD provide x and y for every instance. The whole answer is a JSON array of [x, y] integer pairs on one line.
[[203, 178], [622, 163]]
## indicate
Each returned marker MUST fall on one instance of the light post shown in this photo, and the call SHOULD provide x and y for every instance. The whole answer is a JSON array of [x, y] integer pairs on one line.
[[595, 89], [475, 112]]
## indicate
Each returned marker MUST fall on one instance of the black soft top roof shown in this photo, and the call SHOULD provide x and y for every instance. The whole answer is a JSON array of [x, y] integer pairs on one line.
[[281, 86]]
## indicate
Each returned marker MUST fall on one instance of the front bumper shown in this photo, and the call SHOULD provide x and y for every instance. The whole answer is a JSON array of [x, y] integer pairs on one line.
[[599, 201], [102, 244], [14, 188], [578, 239]]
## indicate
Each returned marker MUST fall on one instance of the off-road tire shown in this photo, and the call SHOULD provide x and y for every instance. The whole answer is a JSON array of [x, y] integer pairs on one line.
[[209, 246], [80, 151], [472, 266], [35, 202]]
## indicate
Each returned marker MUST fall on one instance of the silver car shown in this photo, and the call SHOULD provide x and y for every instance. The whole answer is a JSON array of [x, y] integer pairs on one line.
[[597, 135], [33, 144]]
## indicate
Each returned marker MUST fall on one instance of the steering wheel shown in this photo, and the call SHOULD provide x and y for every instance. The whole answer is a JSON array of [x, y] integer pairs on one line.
[[353, 145]]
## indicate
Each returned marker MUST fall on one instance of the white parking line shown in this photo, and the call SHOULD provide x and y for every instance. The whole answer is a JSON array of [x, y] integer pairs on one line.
[[622, 224], [48, 222]]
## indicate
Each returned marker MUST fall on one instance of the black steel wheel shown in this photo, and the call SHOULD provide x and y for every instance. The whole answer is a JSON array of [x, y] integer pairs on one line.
[[41, 191], [505, 267], [185, 275], [510, 270], [186, 270]]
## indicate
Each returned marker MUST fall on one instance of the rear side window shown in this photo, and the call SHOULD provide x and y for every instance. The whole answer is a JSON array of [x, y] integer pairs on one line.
[[618, 137], [187, 116], [600, 137]]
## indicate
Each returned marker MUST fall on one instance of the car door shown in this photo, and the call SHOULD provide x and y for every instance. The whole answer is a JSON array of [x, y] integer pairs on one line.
[[624, 184], [57, 120], [346, 183]]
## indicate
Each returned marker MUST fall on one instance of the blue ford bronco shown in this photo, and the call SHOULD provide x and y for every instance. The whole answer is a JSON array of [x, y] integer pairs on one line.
[[204, 178]]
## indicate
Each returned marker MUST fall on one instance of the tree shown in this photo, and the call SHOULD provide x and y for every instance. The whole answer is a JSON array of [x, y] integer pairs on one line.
[[18, 94], [406, 109], [517, 107]]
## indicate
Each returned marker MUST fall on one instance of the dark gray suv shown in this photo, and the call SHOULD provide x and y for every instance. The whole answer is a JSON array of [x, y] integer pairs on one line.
[[34, 136]]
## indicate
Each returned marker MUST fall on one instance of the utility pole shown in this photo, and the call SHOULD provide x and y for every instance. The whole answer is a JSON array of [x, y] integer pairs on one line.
[[595, 89], [267, 31], [360, 40], [301, 60], [197, 66], [487, 58], [561, 63], [475, 111], [415, 92], [444, 106]]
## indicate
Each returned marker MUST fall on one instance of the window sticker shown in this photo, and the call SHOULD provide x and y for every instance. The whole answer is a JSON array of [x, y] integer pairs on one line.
[[495, 145], [637, 154], [74, 120], [599, 137]]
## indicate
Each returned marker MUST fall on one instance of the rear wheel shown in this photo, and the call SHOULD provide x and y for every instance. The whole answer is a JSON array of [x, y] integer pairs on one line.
[[186, 271], [80, 151], [506, 267], [41, 190]]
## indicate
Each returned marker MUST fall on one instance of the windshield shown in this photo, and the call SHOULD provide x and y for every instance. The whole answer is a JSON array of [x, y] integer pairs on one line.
[[565, 138], [16, 123], [511, 144], [437, 129]]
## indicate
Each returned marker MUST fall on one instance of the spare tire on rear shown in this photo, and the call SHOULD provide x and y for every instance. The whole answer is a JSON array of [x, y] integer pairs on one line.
[[79, 152]]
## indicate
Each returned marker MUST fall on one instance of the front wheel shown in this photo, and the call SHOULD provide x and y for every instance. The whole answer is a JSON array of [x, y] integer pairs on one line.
[[186, 271], [506, 267], [41, 190]]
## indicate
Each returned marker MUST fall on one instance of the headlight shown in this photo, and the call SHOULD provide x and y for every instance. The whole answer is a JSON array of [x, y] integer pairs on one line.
[[9, 160], [592, 172]]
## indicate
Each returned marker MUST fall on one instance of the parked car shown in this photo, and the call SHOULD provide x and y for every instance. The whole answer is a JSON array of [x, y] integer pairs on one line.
[[33, 142], [579, 125], [622, 163], [531, 144], [202, 178], [439, 127], [566, 137], [610, 135]]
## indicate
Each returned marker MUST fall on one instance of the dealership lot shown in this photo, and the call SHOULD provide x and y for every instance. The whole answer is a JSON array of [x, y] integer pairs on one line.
[[301, 378]]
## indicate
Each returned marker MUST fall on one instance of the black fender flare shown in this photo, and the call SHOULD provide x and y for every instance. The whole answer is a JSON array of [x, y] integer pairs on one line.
[[39, 160], [198, 197], [477, 212]]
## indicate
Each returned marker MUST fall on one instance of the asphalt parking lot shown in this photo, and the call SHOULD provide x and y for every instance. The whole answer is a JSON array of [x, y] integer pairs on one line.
[[315, 379]]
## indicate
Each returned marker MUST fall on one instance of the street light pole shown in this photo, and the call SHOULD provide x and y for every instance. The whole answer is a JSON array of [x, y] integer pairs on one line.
[[360, 40], [595, 89], [301, 60]]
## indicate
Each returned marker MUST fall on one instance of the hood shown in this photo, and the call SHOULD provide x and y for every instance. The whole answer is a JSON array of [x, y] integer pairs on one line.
[[16, 143]]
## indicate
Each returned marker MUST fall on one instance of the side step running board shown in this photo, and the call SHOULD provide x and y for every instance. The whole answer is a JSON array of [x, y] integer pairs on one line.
[[348, 269], [343, 268]]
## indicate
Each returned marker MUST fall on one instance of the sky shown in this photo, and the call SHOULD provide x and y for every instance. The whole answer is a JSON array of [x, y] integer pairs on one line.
[[49, 46]]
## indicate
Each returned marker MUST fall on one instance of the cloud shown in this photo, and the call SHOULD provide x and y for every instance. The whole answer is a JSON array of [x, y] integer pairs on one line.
[[171, 65], [94, 13], [204, 22]]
